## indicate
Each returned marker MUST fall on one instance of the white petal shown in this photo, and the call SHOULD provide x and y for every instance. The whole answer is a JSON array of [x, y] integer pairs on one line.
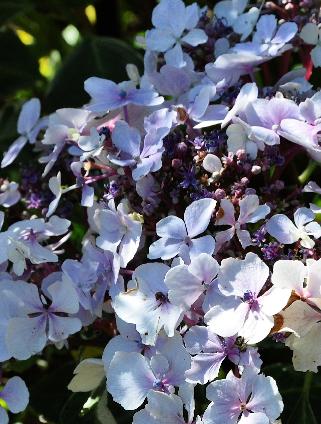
[[198, 215]]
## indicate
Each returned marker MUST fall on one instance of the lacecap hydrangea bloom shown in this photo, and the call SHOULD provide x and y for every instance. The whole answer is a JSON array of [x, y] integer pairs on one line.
[[191, 248]]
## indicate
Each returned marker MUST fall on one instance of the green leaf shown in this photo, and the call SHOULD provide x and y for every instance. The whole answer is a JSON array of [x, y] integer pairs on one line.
[[301, 393], [10, 9], [18, 69], [95, 56]]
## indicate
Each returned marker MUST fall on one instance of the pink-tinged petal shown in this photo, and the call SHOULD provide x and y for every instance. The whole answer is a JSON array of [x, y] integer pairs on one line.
[[226, 213], [306, 349], [266, 398], [282, 229], [198, 215], [129, 379], [205, 267], [13, 151], [244, 238], [289, 274], [226, 318], [223, 237], [171, 227], [250, 209], [15, 394], [274, 300], [299, 318]]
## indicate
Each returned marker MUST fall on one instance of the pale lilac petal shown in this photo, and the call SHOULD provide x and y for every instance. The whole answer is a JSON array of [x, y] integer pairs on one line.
[[87, 196], [205, 244], [285, 32], [159, 40], [171, 227], [26, 336], [175, 56], [105, 94], [29, 115], [164, 248], [205, 267], [265, 28], [13, 151], [282, 228], [129, 385], [289, 274], [15, 394], [198, 215], [64, 297], [205, 367], [195, 37], [256, 326], [184, 287], [226, 318], [238, 276], [60, 328], [266, 398], [302, 216], [126, 139], [119, 344]]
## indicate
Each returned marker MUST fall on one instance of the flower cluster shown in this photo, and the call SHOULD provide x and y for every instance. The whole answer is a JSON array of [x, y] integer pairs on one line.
[[198, 237]]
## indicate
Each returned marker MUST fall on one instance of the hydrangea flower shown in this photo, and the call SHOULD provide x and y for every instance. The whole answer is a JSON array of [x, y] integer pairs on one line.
[[21, 241], [240, 307], [179, 236], [107, 95], [283, 229], [28, 127], [271, 37], [209, 350], [250, 399], [174, 24], [242, 22], [186, 283], [302, 279], [146, 303], [15, 395], [250, 212], [118, 230], [127, 140], [65, 125], [44, 316], [131, 376]]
